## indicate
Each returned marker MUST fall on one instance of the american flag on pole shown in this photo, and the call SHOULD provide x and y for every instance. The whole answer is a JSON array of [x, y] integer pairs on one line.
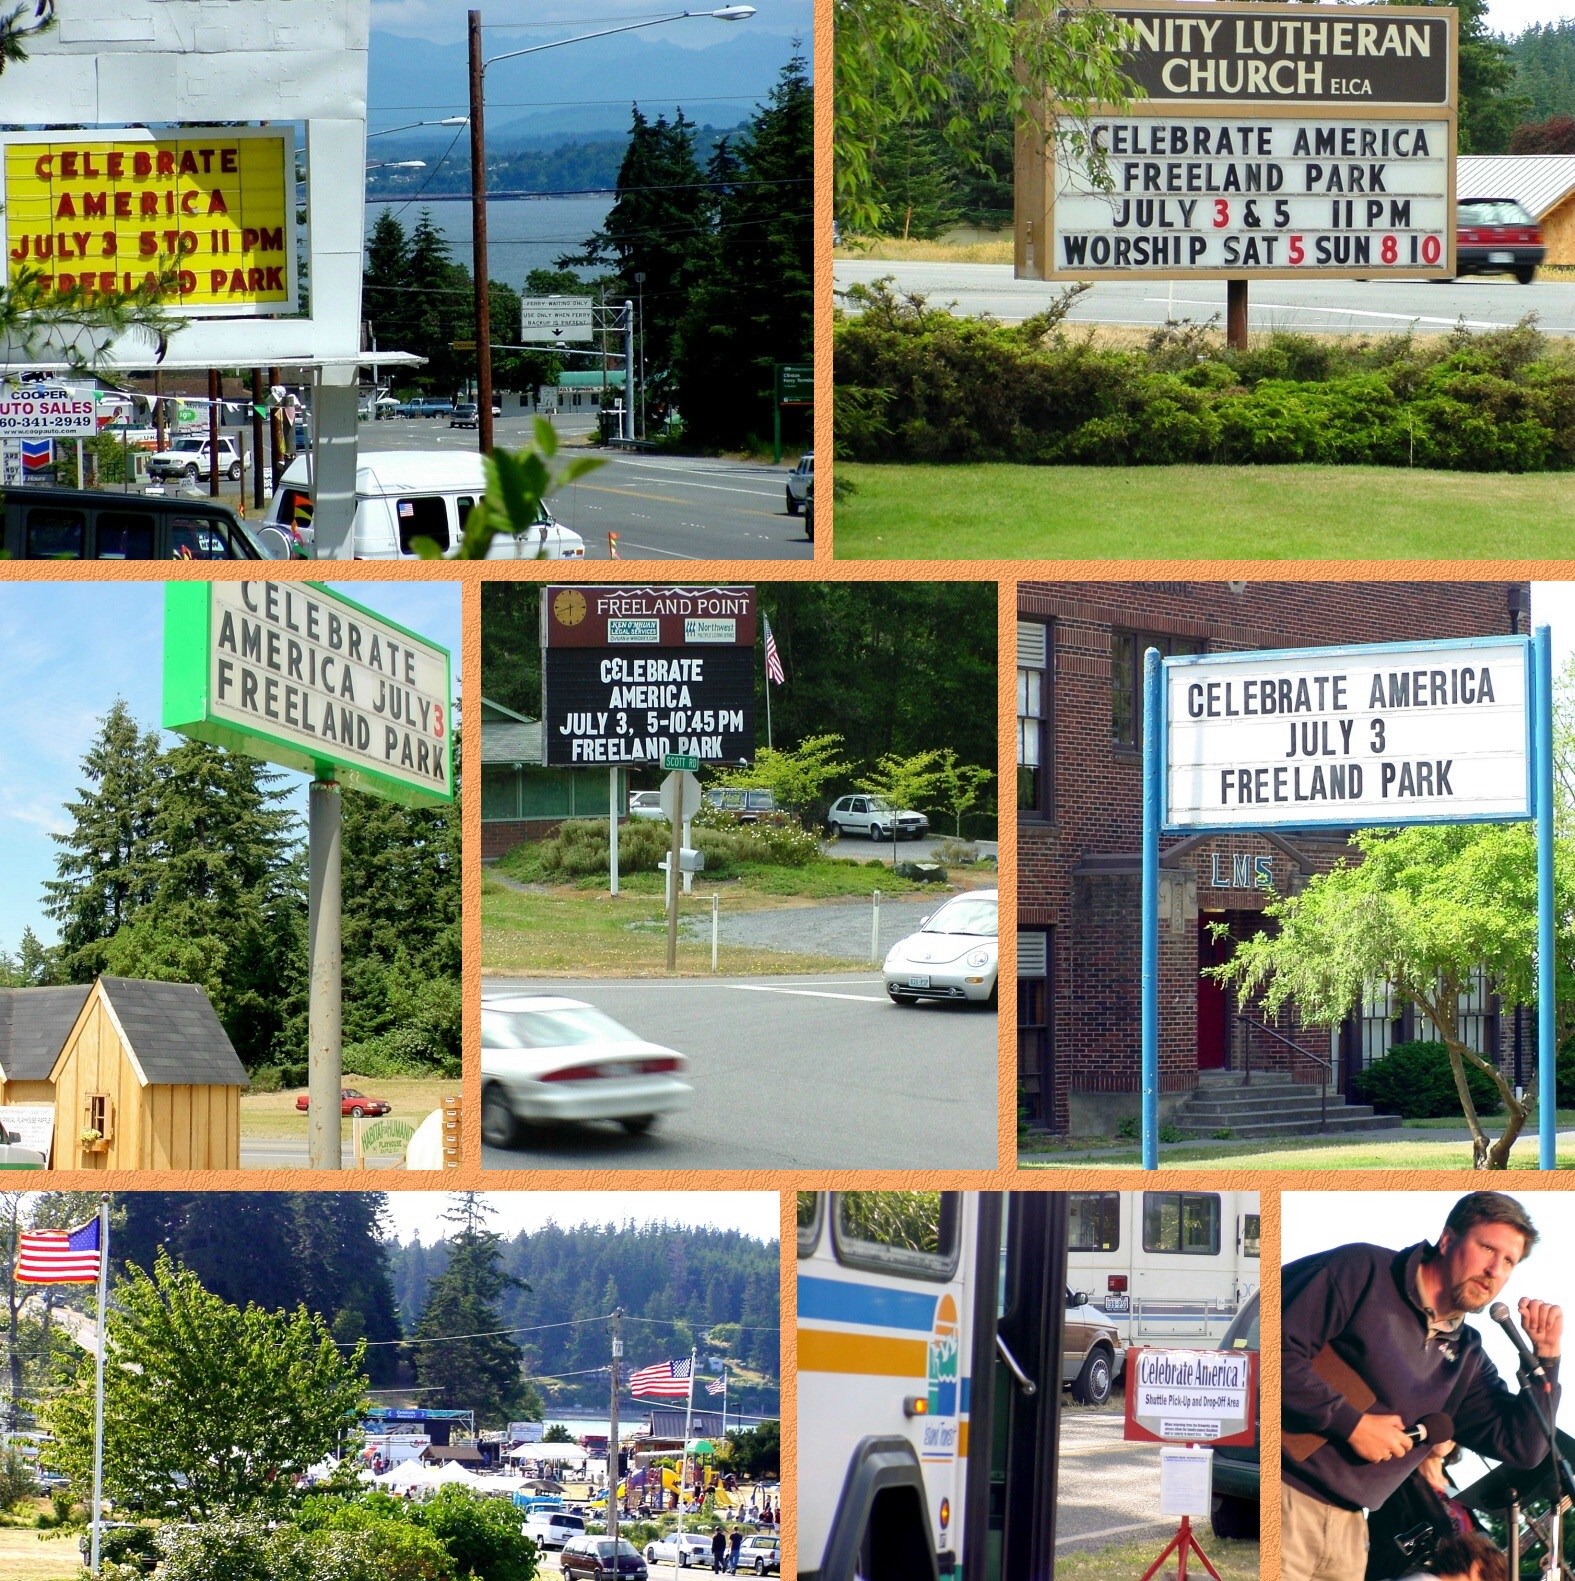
[[717, 1385], [666, 1377], [59, 1257], [773, 658]]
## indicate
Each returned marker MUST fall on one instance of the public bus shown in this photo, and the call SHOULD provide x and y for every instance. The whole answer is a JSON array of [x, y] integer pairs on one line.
[[1165, 1267], [929, 1384]]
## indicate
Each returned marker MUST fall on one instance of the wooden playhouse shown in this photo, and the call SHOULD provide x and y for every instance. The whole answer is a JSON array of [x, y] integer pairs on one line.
[[141, 1074]]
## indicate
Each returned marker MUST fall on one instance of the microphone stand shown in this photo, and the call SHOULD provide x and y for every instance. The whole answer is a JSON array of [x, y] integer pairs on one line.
[[1563, 1479]]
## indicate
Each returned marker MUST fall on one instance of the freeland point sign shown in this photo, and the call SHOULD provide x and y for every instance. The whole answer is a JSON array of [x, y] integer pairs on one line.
[[1458, 730], [301, 676], [631, 675], [1262, 141]]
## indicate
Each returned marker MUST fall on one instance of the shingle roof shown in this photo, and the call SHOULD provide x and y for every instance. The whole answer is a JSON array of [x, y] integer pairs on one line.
[[34, 1025], [511, 743], [1536, 181], [174, 1033]]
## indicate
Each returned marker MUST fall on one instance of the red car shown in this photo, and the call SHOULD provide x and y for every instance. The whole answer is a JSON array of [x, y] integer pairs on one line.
[[353, 1103], [1497, 236]]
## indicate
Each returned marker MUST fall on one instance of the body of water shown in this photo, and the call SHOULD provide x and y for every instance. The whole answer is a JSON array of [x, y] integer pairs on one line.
[[522, 234]]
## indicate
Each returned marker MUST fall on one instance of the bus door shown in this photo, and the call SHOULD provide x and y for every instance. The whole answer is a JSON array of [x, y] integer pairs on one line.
[[1015, 1401]]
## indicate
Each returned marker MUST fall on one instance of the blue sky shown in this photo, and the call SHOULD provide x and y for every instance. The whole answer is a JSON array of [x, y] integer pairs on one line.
[[71, 648], [418, 1215], [444, 20]]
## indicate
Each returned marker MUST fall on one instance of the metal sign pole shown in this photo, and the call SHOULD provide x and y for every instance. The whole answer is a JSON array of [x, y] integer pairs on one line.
[[325, 1070], [1547, 1034], [1152, 703]]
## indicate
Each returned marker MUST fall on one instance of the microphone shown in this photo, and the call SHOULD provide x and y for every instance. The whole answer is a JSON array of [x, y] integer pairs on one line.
[[1529, 1359], [1434, 1428]]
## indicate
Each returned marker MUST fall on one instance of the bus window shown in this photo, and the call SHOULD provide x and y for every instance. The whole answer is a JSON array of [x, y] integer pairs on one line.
[[123, 535], [1249, 1235], [1182, 1221], [808, 1221], [911, 1230], [1094, 1221], [424, 517], [54, 533]]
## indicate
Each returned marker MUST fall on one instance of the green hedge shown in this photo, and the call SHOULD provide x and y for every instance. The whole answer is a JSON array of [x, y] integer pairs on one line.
[[1414, 1080], [916, 384]]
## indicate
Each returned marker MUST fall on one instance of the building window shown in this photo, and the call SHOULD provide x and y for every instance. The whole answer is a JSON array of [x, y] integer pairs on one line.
[[1182, 1221], [98, 1119], [1126, 678], [1035, 1083], [1033, 778]]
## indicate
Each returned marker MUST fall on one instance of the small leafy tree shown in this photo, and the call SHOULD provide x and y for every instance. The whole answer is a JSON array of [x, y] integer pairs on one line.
[[904, 782], [557, 1433], [755, 1452], [1424, 911], [797, 775], [208, 1408], [958, 786]]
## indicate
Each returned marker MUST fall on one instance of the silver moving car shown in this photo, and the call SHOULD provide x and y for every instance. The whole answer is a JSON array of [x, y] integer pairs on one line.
[[953, 955], [546, 1060]]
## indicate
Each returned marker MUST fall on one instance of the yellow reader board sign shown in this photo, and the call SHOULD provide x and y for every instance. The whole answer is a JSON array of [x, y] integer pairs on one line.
[[207, 211]]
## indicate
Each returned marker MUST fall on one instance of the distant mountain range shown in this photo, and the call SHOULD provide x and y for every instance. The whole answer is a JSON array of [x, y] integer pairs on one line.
[[580, 93]]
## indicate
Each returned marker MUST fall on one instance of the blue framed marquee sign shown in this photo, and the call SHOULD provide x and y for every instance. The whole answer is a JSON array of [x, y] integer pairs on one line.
[[1377, 736]]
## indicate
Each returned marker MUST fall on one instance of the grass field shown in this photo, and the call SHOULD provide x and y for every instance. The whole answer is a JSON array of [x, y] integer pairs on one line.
[[565, 934], [1286, 1154], [273, 1114], [1127, 1561], [992, 512], [27, 1555]]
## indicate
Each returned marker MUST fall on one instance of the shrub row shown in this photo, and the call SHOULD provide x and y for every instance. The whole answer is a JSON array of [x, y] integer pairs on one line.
[[580, 847], [916, 384]]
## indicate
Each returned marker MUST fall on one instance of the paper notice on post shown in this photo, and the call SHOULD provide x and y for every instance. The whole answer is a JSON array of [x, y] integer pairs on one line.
[[1186, 1481]]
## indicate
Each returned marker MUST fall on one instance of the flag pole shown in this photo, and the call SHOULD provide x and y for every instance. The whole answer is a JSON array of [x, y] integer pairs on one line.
[[98, 1379], [768, 693], [689, 1412]]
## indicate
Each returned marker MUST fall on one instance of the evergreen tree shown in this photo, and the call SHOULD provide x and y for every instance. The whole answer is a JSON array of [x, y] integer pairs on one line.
[[915, 170], [1491, 107], [443, 309], [754, 307], [1544, 57], [224, 893], [102, 870], [461, 1357], [387, 294], [658, 228]]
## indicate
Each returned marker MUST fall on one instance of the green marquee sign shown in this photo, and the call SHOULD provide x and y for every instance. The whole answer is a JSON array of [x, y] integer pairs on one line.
[[295, 674]]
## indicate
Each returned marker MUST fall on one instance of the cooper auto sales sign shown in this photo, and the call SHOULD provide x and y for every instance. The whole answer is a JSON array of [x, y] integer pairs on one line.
[[1349, 737], [1262, 141]]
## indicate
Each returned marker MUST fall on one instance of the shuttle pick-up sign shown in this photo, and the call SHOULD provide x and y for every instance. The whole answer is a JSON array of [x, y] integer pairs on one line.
[[296, 674], [1191, 1396], [1428, 732]]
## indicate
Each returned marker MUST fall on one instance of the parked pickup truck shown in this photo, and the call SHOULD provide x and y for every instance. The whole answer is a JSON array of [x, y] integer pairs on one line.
[[187, 457], [427, 406]]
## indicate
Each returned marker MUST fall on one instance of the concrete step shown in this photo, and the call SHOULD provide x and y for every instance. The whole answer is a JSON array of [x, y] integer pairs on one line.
[[1339, 1121], [1220, 1096]]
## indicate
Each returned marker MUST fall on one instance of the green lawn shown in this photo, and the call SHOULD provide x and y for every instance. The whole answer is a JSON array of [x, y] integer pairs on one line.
[[1233, 1561], [991, 512], [1285, 1154]]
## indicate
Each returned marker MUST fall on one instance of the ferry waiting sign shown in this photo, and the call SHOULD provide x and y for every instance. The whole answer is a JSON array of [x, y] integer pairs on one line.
[[1262, 141], [1452, 731]]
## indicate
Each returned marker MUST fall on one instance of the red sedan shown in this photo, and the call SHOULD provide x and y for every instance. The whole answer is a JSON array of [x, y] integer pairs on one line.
[[353, 1103]]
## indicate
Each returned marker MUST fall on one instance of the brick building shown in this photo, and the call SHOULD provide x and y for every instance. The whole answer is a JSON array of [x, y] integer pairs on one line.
[[1080, 661]]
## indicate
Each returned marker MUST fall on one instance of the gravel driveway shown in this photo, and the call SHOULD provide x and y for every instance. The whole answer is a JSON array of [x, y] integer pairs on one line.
[[839, 930]]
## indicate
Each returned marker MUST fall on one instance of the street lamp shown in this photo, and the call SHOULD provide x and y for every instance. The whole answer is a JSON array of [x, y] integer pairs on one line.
[[478, 179], [448, 120], [397, 164]]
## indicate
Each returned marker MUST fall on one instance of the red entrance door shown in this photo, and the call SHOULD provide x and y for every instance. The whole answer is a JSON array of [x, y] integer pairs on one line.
[[1212, 1018]]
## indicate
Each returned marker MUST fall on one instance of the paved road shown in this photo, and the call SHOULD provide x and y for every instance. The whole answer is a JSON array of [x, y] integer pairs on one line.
[[843, 930], [1359, 307], [289, 1153], [1108, 1490], [855, 848], [790, 1073], [662, 507]]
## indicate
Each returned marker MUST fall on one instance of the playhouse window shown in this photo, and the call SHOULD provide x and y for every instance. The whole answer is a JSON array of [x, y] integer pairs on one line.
[[100, 1114]]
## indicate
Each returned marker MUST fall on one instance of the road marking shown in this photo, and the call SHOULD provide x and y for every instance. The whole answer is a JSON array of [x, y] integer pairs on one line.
[[720, 488], [807, 993], [1342, 312], [1108, 1531], [666, 499]]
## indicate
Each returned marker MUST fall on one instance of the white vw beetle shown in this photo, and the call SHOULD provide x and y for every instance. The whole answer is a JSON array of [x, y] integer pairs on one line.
[[954, 954]]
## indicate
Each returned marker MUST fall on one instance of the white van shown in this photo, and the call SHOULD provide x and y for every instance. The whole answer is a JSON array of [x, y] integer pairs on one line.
[[552, 1528], [402, 495]]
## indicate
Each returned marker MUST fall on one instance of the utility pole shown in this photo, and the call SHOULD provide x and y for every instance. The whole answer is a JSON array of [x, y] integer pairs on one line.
[[612, 1433], [478, 240], [259, 498], [213, 432]]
